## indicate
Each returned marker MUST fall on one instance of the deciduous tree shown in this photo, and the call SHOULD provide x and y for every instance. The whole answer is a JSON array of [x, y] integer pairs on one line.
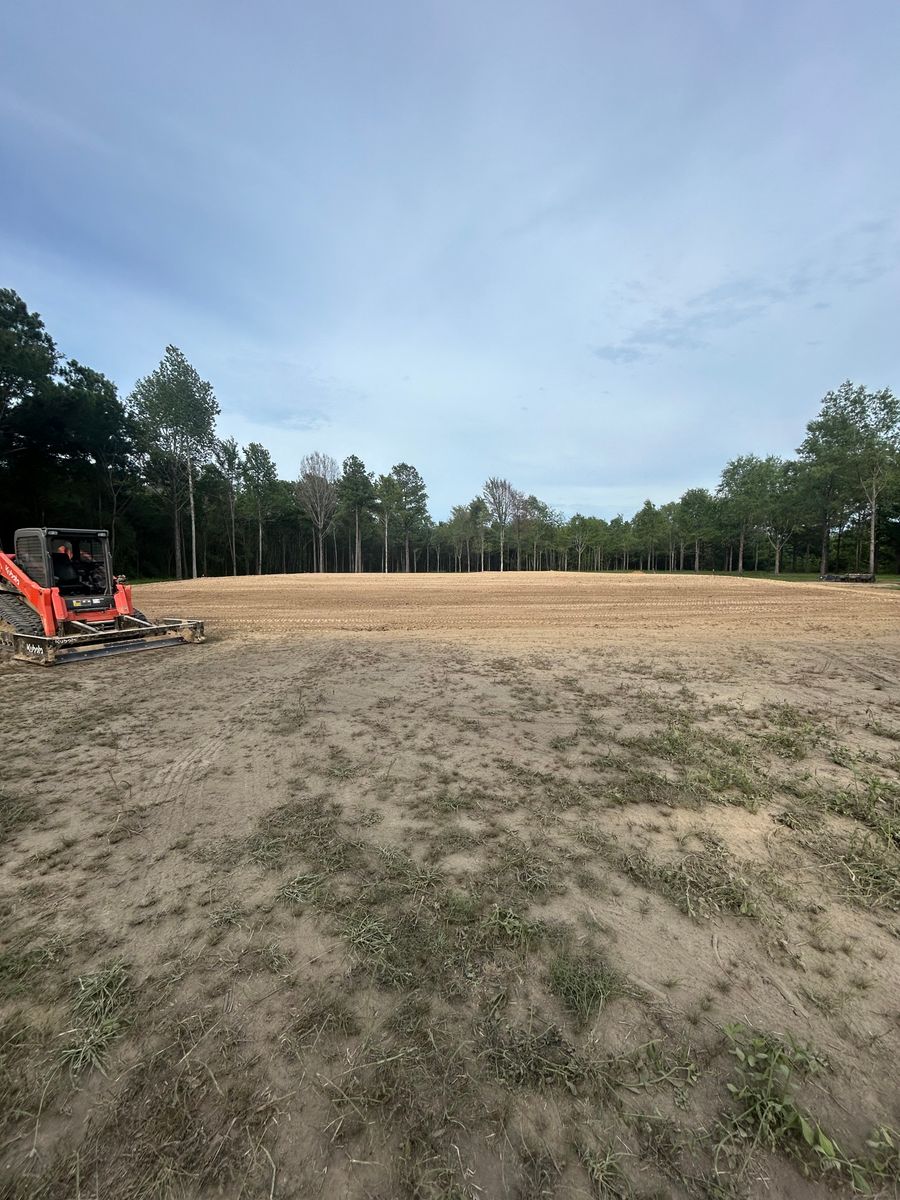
[[500, 496], [317, 495], [857, 434]]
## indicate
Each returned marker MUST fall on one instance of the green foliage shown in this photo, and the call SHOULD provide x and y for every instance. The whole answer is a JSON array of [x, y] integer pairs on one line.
[[176, 409], [73, 452], [28, 356], [768, 1117]]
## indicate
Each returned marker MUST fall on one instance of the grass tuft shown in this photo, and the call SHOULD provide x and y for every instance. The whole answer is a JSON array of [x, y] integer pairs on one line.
[[700, 884], [868, 871], [584, 984], [529, 1057], [323, 1014], [102, 1011], [15, 814], [303, 889], [604, 1170]]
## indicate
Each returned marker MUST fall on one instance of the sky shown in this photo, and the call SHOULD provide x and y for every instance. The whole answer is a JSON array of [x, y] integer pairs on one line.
[[595, 247]]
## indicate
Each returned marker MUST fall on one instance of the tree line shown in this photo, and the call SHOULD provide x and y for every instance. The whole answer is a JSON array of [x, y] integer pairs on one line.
[[179, 500]]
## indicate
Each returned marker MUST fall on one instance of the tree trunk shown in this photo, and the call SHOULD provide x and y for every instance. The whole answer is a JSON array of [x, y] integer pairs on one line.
[[406, 552], [259, 548], [233, 536], [190, 468], [501, 547], [858, 546], [872, 535], [358, 545], [777, 558], [696, 554], [112, 526], [741, 552], [321, 550], [385, 545], [178, 571]]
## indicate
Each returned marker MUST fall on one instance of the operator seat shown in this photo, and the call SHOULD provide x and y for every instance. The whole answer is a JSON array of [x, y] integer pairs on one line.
[[64, 572]]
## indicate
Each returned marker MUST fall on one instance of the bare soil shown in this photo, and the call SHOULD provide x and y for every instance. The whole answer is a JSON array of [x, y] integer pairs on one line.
[[458, 887], [618, 605]]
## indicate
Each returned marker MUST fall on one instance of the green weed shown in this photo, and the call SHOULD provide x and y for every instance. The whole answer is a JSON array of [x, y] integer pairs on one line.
[[767, 1115], [530, 1057], [604, 1170], [102, 1011], [584, 984]]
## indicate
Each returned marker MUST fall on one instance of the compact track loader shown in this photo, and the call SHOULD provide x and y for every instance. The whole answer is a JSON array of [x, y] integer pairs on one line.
[[59, 601]]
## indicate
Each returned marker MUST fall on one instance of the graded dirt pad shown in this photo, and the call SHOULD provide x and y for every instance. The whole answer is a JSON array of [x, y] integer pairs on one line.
[[458, 888], [618, 605]]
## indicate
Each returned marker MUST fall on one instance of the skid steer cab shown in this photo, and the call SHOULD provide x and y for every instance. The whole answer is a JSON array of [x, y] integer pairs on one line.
[[59, 601]]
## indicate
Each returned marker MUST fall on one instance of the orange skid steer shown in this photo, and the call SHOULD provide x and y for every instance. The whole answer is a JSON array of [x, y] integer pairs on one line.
[[59, 601]]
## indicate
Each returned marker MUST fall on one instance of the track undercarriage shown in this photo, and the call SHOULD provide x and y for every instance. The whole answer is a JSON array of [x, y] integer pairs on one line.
[[22, 632]]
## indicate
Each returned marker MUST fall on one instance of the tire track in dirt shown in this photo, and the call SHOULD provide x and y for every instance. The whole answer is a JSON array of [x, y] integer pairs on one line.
[[176, 777]]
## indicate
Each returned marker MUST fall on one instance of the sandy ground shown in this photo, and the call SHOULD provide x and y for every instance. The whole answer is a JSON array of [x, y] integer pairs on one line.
[[341, 851], [618, 605]]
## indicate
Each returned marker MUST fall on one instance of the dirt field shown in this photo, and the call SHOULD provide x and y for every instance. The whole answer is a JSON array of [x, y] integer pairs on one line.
[[619, 606], [533, 886]]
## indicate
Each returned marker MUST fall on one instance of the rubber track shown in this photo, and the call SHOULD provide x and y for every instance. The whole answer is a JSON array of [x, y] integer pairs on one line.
[[17, 617]]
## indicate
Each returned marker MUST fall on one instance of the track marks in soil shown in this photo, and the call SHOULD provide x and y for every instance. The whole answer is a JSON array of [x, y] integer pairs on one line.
[[374, 896]]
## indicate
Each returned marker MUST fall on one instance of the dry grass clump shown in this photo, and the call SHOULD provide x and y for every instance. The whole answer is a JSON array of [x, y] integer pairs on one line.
[[876, 805], [794, 735], [604, 1170], [307, 828], [439, 944], [180, 1127], [536, 1056], [584, 983], [16, 812], [528, 869], [324, 1014], [102, 1010], [25, 1076], [26, 960], [303, 889], [867, 870], [714, 767], [701, 883], [411, 1081], [639, 785]]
